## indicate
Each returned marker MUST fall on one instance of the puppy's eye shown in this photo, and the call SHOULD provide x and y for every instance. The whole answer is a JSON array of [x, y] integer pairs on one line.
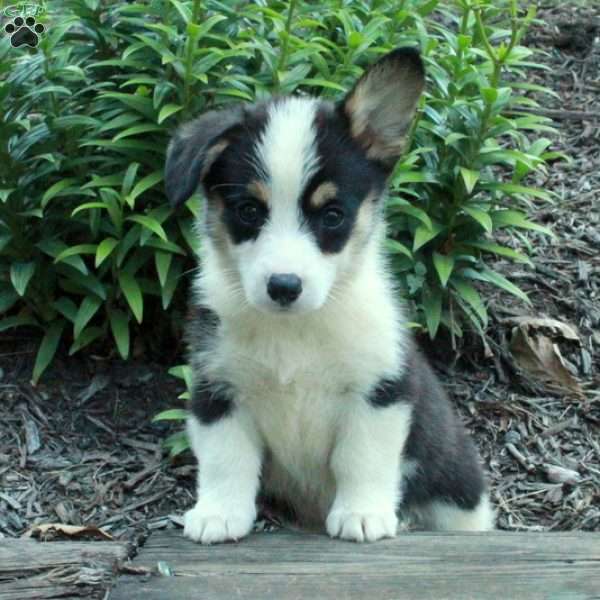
[[250, 213], [332, 217]]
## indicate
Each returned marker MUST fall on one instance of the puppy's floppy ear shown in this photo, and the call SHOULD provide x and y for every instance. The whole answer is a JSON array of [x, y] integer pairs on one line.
[[193, 149], [382, 104]]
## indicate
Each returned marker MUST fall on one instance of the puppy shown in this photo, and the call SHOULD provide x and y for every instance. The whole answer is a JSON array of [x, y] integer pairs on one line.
[[306, 382]]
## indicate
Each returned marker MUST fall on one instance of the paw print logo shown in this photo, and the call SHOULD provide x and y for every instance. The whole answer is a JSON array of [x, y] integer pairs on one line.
[[24, 32]]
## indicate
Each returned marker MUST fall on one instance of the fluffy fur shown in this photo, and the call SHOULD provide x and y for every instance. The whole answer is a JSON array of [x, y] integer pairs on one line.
[[319, 398]]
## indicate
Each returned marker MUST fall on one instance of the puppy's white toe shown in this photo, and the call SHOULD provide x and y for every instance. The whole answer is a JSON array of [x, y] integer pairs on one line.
[[361, 526]]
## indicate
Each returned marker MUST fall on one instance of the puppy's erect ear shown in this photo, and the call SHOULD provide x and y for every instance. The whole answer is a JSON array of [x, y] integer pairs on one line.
[[193, 149], [382, 104]]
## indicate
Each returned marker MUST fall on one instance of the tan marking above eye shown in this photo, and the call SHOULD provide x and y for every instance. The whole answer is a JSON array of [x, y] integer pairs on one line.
[[259, 190], [325, 192]]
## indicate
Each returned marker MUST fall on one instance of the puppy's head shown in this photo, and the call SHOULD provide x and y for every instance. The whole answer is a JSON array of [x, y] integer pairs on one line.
[[294, 186]]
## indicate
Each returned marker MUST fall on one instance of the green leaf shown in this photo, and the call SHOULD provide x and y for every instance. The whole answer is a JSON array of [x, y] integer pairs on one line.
[[167, 246], [481, 216], [163, 263], [395, 247], [53, 248], [500, 250], [177, 443], [173, 414], [129, 177], [183, 372], [121, 121], [514, 218], [55, 189], [88, 308], [198, 31], [8, 298], [413, 177], [143, 185], [498, 280], [119, 324], [470, 295], [20, 275], [470, 178], [114, 207], [16, 321], [425, 234], [167, 110], [86, 337], [107, 181], [133, 294], [139, 103], [66, 307], [105, 247], [402, 206], [87, 282], [150, 223], [512, 188], [443, 265], [76, 250], [88, 206], [427, 7], [490, 95], [323, 83], [135, 130], [170, 286], [183, 10], [234, 93], [453, 137], [432, 305], [47, 349], [5, 193]]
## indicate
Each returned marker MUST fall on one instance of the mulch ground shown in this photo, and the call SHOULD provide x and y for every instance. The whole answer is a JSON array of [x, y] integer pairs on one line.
[[80, 449]]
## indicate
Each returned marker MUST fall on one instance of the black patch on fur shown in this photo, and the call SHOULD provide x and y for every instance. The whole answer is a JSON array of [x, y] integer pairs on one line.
[[234, 169], [447, 462], [345, 164], [390, 391], [210, 400]]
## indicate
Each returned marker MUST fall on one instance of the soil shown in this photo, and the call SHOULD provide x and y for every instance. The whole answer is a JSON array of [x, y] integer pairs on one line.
[[80, 448]]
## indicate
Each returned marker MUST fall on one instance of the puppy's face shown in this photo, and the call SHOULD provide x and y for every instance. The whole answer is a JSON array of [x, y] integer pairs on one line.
[[291, 199], [294, 186]]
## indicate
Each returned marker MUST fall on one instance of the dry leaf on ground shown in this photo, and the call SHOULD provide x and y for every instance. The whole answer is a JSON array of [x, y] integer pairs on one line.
[[71, 531], [534, 350]]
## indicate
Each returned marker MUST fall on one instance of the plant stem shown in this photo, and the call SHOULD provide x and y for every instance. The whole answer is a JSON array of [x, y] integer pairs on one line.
[[284, 47], [190, 46]]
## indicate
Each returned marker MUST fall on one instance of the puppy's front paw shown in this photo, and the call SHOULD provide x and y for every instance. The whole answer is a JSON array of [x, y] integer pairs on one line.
[[211, 525], [361, 526]]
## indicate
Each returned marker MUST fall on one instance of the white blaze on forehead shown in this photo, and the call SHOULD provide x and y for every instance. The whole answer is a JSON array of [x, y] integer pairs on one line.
[[287, 148]]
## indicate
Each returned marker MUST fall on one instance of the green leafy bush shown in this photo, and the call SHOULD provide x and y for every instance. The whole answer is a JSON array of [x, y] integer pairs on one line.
[[90, 252], [464, 179]]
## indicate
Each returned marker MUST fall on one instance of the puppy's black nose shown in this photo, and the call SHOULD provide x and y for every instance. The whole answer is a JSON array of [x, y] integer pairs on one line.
[[284, 288]]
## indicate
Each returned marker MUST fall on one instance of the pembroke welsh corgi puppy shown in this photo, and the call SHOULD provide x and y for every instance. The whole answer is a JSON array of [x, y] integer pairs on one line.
[[306, 383]]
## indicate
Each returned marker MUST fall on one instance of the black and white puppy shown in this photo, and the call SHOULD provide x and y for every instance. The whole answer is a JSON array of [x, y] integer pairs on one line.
[[306, 382]]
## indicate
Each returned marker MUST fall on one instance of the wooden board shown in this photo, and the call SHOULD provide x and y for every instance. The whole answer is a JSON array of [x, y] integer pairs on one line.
[[31, 569], [287, 566]]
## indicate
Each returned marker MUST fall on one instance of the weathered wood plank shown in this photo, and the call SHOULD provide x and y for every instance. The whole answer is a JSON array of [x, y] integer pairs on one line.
[[40, 586], [290, 566], [31, 569]]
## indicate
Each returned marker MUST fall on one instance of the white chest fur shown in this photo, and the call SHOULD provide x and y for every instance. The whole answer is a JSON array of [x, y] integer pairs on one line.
[[297, 375], [297, 378]]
